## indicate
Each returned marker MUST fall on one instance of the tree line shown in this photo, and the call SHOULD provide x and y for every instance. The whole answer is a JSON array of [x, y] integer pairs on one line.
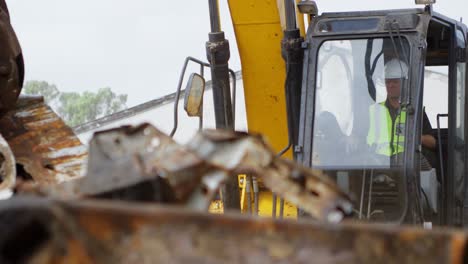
[[78, 108]]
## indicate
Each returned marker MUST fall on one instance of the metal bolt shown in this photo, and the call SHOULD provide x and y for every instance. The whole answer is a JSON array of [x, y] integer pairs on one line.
[[298, 149]]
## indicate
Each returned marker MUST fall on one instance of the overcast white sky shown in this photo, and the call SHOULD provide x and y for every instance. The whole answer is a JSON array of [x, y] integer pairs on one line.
[[136, 47]]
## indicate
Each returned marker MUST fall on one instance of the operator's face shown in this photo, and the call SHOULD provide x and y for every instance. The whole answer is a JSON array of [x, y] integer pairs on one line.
[[393, 88]]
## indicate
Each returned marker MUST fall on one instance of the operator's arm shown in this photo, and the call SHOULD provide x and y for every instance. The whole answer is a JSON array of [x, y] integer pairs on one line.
[[427, 140]]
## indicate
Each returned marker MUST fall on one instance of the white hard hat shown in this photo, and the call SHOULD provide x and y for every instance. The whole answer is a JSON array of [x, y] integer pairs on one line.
[[396, 69]]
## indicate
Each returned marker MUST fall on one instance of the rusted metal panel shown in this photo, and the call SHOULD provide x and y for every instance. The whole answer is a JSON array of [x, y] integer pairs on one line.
[[122, 161], [45, 231], [240, 153], [42, 143]]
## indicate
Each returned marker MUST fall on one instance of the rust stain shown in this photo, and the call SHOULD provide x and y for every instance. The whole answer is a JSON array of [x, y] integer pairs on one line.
[[46, 147], [458, 249], [167, 234], [410, 235], [76, 254], [274, 97], [122, 159], [97, 226]]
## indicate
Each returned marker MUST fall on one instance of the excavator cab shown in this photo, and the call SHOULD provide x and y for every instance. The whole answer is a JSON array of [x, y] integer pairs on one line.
[[362, 112]]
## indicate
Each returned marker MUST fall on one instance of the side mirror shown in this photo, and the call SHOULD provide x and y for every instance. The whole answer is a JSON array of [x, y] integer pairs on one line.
[[425, 2], [308, 7], [193, 101]]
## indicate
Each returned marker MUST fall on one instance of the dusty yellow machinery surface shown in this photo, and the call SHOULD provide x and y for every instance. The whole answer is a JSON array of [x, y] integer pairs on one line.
[[265, 201], [258, 33], [265, 204], [259, 28]]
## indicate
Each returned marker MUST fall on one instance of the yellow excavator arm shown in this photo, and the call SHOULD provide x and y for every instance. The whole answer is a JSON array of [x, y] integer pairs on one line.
[[258, 27]]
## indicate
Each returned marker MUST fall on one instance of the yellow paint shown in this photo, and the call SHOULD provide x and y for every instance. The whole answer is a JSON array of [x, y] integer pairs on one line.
[[257, 25], [216, 207], [266, 206], [258, 30], [258, 34], [243, 196]]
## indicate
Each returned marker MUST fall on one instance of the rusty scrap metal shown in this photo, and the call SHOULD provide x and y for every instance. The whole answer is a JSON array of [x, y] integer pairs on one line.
[[45, 231], [124, 160], [238, 153], [42, 143]]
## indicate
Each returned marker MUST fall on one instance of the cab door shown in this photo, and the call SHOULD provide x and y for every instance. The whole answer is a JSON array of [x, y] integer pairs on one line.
[[463, 72], [456, 183]]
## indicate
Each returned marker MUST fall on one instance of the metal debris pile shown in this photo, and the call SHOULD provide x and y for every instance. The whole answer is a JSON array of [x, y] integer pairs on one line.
[[144, 199], [143, 164], [44, 147]]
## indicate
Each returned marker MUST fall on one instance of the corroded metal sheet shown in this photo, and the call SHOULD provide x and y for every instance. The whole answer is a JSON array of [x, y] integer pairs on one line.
[[122, 160], [119, 232], [241, 153], [42, 143]]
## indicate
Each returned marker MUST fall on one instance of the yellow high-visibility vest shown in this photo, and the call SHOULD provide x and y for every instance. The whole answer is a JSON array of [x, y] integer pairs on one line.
[[387, 137]]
